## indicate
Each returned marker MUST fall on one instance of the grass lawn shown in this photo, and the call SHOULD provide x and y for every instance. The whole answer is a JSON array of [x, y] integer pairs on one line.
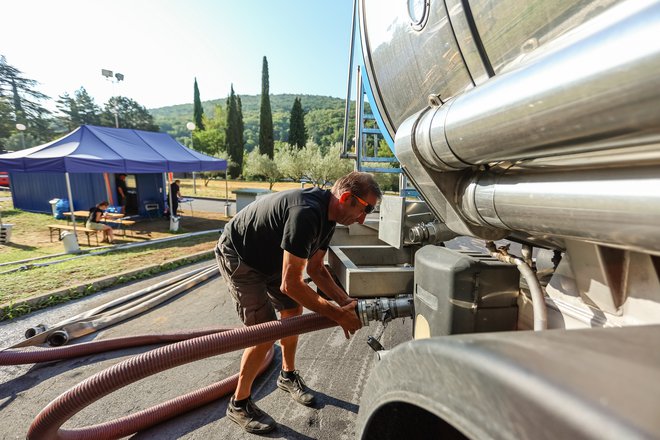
[[216, 188], [30, 238]]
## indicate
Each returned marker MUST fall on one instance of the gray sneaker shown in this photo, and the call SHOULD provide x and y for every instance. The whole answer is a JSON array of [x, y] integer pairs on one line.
[[297, 388], [250, 417]]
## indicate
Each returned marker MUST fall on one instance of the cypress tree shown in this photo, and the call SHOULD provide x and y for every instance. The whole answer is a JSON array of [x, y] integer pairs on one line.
[[266, 142], [297, 130], [198, 110], [241, 126], [234, 135]]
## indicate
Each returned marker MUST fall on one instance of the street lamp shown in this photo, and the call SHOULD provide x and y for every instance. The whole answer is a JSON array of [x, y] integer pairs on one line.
[[191, 126], [109, 75], [21, 128]]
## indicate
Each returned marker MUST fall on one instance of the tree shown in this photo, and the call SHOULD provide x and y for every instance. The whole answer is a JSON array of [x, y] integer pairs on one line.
[[198, 110], [129, 113], [24, 100], [324, 169], [6, 125], [234, 136], [260, 165], [212, 139], [297, 130], [266, 141], [290, 163], [79, 110]]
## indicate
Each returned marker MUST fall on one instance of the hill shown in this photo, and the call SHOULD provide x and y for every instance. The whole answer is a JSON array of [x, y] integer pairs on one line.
[[324, 117]]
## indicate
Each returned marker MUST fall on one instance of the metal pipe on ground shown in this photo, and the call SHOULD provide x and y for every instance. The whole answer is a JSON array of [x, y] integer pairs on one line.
[[79, 329], [40, 336]]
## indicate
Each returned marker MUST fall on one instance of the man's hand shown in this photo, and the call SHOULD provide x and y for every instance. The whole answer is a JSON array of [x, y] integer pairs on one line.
[[348, 319]]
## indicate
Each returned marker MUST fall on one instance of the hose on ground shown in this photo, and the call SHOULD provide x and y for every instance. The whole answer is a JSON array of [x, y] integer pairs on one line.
[[34, 355], [48, 422]]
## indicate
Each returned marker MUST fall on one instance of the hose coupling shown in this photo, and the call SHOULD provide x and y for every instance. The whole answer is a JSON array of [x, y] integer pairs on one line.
[[430, 233], [385, 309]]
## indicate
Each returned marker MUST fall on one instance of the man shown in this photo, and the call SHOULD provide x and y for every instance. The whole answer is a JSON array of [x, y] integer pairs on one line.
[[122, 189], [262, 254], [175, 195]]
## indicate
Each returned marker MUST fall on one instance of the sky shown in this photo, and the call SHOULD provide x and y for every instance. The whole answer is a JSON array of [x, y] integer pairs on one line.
[[160, 46]]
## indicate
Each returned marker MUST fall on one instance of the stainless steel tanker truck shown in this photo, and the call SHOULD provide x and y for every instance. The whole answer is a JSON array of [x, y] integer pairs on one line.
[[531, 130]]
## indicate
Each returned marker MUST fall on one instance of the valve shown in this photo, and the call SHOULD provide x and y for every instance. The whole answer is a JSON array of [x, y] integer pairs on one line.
[[384, 309]]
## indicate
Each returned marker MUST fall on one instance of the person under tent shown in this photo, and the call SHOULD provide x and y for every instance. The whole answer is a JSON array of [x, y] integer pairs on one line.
[[95, 219]]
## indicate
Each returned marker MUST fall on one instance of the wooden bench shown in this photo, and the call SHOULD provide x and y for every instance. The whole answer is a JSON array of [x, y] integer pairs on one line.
[[60, 228], [121, 223]]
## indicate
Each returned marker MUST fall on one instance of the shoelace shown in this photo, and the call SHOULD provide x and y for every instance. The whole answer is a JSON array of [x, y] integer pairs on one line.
[[251, 409], [298, 381]]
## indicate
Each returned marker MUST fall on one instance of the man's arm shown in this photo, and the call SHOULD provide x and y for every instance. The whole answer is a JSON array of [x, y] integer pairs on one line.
[[294, 286], [317, 271]]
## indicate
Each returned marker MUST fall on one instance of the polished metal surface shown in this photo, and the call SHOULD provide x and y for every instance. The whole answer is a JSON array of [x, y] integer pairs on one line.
[[466, 41], [575, 100], [397, 216], [599, 90], [615, 207], [511, 29], [370, 271], [439, 189], [426, 61]]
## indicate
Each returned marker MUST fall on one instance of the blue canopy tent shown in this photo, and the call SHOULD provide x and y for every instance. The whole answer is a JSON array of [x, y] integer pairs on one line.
[[91, 149]]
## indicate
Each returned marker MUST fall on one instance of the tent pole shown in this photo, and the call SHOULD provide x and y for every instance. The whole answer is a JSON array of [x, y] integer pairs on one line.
[[169, 192], [164, 191], [71, 207], [108, 190], [226, 194]]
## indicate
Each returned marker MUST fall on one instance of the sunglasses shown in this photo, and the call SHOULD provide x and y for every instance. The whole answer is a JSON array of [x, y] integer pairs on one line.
[[368, 209]]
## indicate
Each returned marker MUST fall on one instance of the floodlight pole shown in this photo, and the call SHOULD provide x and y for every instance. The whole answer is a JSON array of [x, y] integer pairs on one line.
[[21, 128], [108, 74]]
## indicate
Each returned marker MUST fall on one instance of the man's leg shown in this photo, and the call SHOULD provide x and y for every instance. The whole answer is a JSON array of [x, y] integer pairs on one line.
[[248, 291], [289, 379], [250, 363], [289, 344]]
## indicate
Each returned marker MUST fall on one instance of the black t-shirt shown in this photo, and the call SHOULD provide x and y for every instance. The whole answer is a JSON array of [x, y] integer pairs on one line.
[[92, 214], [121, 184], [295, 220], [174, 190]]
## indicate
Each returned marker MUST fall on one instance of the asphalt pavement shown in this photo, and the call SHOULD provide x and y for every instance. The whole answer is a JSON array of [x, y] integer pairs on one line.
[[335, 368]]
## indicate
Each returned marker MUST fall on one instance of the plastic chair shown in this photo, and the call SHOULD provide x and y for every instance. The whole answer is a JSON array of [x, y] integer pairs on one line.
[[152, 209]]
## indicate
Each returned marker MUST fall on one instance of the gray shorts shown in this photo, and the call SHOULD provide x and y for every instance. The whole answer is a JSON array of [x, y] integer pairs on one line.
[[255, 295]]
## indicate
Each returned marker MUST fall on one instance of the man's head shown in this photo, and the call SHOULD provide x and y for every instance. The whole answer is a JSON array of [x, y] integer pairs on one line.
[[103, 205], [122, 176], [357, 194]]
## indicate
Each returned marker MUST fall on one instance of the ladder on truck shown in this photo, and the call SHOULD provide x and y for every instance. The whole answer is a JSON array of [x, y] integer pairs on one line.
[[368, 139]]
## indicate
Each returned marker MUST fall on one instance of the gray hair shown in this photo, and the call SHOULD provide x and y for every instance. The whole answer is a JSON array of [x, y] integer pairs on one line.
[[357, 183]]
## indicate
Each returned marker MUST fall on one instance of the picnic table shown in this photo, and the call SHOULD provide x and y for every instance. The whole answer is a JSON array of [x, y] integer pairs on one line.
[[84, 214], [113, 218]]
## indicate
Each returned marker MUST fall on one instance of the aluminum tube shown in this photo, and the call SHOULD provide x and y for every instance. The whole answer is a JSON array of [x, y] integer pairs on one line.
[[595, 89], [617, 207], [41, 337]]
